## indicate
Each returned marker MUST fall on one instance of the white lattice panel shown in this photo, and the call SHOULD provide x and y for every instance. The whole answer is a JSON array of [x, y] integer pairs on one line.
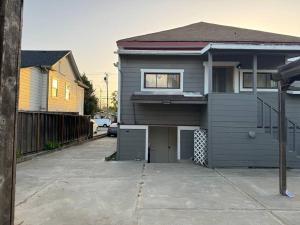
[[200, 146]]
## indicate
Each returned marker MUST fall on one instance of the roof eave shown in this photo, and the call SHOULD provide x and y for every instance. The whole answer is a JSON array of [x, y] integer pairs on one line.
[[289, 72], [209, 47]]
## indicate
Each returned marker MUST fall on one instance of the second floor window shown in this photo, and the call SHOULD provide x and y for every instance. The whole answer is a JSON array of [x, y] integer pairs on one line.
[[54, 90], [162, 80], [68, 91], [264, 80]]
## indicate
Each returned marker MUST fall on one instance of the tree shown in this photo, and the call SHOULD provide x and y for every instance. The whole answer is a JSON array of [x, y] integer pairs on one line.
[[90, 100], [114, 101]]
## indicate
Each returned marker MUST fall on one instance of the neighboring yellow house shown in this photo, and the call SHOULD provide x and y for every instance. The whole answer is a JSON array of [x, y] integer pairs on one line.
[[50, 81]]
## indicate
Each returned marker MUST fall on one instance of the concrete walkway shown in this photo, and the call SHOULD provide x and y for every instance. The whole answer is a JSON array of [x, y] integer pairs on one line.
[[77, 187]]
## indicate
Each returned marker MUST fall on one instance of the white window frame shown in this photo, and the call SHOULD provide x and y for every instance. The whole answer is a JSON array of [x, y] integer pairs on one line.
[[67, 89], [242, 71], [225, 64], [180, 71], [54, 79]]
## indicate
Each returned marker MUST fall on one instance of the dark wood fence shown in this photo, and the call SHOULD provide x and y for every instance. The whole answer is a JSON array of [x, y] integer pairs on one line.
[[38, 131]]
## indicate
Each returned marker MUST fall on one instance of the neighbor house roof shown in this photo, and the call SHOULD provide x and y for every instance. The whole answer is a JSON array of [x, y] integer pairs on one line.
[[289, 73], [198, 35], [41, 58]]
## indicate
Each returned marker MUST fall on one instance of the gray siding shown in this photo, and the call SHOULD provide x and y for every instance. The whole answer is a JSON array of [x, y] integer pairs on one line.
[[203, 116], [131, 144], [186, 144], [160, 114], [231, 117]]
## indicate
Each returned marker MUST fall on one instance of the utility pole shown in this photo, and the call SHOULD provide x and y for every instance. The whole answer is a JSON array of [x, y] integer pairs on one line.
[[282, 138], [106, 82], [10, 45], [100, 99]]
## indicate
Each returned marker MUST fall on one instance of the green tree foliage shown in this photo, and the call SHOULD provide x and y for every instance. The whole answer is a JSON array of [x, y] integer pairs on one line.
[[90, 100], [114, 102]]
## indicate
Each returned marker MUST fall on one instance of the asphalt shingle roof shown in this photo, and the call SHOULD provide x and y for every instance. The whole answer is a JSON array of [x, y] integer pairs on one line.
[[208, 32], [41, 58]]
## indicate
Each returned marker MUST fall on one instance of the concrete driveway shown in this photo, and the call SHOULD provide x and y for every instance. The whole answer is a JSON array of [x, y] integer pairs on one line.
[[77, 187]]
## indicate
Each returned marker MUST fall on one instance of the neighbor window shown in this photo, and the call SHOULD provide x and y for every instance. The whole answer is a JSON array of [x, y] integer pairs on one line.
[[264, 80], [54, 88], [67, 91], [162, 80]]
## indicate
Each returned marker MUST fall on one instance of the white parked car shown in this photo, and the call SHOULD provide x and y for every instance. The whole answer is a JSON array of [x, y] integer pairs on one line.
[[104, 122]]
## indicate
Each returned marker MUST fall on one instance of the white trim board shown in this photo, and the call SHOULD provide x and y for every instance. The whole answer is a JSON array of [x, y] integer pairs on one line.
[[268, 47], [179, 129], [133, 127], [157, 52], [242, 71], [222, 63], [180, 71], [139, 127]]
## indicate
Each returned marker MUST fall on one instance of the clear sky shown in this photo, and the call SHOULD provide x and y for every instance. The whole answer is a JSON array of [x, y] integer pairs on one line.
[[90, 28]]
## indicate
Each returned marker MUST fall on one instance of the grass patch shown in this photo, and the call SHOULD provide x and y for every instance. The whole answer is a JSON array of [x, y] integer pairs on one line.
[[50, 145], [19, 153]]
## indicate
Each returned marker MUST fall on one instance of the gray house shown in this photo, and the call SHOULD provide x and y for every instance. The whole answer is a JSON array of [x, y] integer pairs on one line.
[[207, 76]]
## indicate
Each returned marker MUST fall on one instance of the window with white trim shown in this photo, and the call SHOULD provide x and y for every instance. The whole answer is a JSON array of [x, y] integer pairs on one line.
[[67, 91], [162, 80], [54, 88], [264, 81]]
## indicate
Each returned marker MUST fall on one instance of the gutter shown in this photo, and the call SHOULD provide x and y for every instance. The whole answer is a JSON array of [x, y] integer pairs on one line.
[[210, 46], [81, 84], [268, 47], [157, 52]]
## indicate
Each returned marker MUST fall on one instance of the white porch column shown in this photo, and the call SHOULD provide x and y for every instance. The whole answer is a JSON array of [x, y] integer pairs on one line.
[[210, 72], [254, 78]]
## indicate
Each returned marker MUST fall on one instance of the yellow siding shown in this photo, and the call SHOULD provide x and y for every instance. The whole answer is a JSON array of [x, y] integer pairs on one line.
[[60, 103], [24, 89]]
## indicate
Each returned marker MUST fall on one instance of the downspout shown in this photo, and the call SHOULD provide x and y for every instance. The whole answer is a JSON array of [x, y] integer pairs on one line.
[[206, 49]]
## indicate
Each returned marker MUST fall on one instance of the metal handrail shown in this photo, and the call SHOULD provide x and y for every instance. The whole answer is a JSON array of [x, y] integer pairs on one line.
[[271, 129]]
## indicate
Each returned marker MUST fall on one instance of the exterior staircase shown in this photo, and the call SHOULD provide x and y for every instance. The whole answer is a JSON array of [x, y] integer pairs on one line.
[[267, 119]]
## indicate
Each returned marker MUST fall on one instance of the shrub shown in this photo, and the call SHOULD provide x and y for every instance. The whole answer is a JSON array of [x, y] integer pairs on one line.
[[50, 145]]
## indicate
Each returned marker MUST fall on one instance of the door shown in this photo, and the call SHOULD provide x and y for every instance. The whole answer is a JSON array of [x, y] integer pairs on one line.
[[172, 144], [223, 79], [163, 144]]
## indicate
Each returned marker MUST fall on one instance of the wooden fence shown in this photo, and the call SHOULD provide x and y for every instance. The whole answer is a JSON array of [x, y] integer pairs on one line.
[[38, 131]]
